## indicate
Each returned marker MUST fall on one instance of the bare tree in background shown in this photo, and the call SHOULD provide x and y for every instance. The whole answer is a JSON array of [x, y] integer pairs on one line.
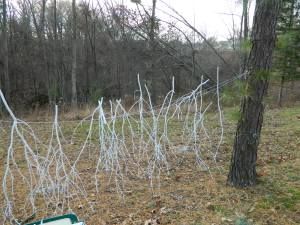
[[243, 162], [152, 49], [54, 48], [43, 43], [113, 43], [5, 51], [245, 30], [74, 52]]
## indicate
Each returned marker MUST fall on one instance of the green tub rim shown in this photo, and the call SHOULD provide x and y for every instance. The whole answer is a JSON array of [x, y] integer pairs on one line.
[[72, 217]]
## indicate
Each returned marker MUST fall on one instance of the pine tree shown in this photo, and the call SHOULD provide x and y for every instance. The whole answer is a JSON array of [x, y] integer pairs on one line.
[[287, 57], [243, 162]]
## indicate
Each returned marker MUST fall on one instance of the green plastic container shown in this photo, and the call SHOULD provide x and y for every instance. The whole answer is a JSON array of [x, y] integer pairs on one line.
[[67, 219]]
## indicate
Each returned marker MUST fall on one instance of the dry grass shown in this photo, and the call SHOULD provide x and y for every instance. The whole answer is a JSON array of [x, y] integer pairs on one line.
[[190, 196]]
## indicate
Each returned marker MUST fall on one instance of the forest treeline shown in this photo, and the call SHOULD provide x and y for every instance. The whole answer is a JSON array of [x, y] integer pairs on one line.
[[60, 51]]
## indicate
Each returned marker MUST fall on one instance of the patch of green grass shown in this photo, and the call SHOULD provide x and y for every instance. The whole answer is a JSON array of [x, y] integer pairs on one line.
[[242, 221], [150, 205], [289, 112], [286, 200], [293, 176], [290, 201], [232, 114], [291, 117], [196, 223], [292, 172], [267, 202], [221, 210]]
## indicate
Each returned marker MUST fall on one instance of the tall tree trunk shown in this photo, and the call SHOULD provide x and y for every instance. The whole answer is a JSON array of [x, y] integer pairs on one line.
[[61, 64], [245, 33], [92, 40], [5, 53], [74, 62], [55, 78], [86, 65], [152, 73], [246, 16], [94, 49], [290, 26], [243, 162], [87, 38], [43, 43]]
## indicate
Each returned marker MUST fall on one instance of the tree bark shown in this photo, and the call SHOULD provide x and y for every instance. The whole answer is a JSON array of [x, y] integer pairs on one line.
[[43, 40], [74, 54], [5, 53], [245, 12], [55, 79], [87, 42], [243, 162], [246, 31], [152, 73]]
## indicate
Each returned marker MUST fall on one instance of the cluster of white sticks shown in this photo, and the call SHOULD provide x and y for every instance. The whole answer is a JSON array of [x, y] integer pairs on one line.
[[135, 142]]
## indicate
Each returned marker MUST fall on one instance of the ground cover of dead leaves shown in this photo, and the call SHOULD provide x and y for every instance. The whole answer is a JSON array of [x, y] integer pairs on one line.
[[191, 196]]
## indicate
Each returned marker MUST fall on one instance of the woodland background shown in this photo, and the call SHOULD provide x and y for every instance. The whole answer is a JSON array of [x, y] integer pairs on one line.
[[62, 52]]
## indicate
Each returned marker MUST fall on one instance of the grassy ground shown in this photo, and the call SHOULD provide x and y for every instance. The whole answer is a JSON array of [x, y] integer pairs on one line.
[[191, 196]]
